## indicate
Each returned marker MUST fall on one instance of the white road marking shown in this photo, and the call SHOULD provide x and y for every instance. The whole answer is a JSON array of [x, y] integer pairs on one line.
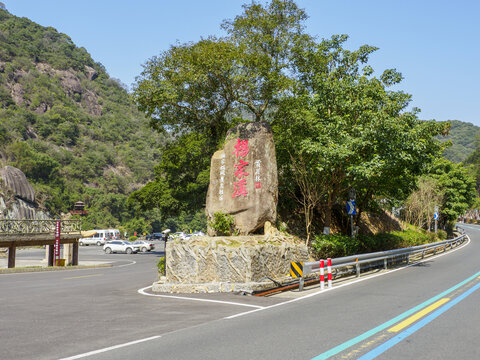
[[110, 348], [343, 285], [73, 269], [132, 263], [142, 292]]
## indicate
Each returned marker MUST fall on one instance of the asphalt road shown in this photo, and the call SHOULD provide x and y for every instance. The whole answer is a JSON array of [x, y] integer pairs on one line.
[[98, 314]]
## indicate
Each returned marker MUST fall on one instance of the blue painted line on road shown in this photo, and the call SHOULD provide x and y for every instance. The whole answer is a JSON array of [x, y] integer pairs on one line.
[[389, 323], [395, 340]]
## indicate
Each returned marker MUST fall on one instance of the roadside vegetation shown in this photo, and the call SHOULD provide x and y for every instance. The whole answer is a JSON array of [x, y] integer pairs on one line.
[[339, 124], [140, 161]]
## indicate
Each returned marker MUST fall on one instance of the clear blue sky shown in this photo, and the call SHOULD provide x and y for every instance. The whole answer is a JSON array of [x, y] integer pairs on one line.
[[434, 43]]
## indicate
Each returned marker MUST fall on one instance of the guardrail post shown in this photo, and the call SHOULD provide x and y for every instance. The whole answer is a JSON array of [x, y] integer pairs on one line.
[[357, 267], [408, 259], [322, 275], [329, 272], [301, 283], [385, 263]]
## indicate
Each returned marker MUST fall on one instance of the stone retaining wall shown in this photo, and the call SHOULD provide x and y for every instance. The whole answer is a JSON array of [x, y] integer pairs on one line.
[[226, 264]]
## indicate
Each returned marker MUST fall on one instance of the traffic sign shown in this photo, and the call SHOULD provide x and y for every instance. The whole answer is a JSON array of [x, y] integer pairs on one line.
[[435, 216], [351, 207]]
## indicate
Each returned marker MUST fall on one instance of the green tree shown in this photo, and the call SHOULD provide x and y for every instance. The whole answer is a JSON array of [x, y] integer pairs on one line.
[[458, 188], [181, 179], [202, 86], [349, 130], [197, 91]]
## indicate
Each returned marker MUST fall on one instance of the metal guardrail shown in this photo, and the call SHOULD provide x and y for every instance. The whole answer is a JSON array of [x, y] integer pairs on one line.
[[9, 227], [381, 257]]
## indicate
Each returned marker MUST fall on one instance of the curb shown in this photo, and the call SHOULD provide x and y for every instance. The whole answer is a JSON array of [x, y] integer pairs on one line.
[[207, 288], [51, 268]]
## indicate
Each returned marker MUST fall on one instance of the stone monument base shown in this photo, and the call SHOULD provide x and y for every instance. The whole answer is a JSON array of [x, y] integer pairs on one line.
[[247, 288], [228, 264]]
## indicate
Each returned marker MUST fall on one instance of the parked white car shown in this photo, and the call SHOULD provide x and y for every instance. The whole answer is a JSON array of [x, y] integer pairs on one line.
[[144, 246], [99, 238], [120, 246]]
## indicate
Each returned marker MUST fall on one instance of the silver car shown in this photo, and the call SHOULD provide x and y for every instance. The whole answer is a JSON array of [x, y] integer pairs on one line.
[[144, 246], [120, 246]]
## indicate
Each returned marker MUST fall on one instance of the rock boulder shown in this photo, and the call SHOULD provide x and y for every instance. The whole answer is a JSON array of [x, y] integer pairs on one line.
[[243, 178], [17, 197]]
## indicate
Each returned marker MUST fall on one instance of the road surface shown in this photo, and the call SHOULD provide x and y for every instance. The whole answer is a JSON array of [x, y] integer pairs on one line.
[[424, 311]]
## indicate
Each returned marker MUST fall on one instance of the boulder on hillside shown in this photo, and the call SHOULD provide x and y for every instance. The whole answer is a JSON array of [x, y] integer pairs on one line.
[[17, 197], [16, 181], [243, 178], [91, 73]]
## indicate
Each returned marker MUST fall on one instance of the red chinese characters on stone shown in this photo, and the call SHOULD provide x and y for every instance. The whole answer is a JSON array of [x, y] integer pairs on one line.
[[241, 151], [239, 188], [240, 172]]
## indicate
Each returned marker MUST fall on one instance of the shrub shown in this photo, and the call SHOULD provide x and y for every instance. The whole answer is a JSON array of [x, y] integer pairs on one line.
[[332, 246], [223, 224], [326, 246], [133, 238], [161, 266]]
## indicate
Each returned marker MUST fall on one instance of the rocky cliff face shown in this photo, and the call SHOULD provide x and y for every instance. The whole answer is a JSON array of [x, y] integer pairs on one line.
[[17, 197], [74, 84]]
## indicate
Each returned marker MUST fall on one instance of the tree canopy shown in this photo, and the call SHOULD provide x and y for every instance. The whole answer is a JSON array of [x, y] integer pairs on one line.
[[207, 87], [337, 124], [350, 131]]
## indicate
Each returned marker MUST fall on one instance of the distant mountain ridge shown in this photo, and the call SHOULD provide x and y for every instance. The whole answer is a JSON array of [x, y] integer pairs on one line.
[[463, 137], [74, 131]]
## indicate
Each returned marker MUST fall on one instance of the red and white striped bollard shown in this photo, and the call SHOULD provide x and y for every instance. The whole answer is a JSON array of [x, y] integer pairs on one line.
[[322, 274], [329, 272]]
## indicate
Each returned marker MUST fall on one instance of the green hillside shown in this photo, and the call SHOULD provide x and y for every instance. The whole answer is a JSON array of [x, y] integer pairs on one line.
[[463, 136], [72, 129]]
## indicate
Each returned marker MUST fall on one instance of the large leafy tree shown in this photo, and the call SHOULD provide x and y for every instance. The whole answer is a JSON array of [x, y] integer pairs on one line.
[[202, 89], [350, 130]]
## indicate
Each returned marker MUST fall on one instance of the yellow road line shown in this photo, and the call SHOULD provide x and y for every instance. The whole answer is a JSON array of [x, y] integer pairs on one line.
[[78, 277], [418, 315]]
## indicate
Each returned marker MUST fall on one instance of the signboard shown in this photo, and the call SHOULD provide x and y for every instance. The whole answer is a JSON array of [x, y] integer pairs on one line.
[[57, 239], [351, 207]]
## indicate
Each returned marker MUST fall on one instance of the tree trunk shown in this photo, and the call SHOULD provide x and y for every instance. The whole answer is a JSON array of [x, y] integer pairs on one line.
[[328, 219]]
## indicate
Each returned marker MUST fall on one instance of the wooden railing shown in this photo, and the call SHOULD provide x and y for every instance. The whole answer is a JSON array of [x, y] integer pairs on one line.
[[38, 226]]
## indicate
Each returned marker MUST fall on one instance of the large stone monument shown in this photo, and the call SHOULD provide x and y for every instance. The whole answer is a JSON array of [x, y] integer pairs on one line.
[[243, 184], [243, 178]]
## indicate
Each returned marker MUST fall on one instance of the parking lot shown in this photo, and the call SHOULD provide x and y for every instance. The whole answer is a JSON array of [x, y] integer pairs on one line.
[[85, 309]]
